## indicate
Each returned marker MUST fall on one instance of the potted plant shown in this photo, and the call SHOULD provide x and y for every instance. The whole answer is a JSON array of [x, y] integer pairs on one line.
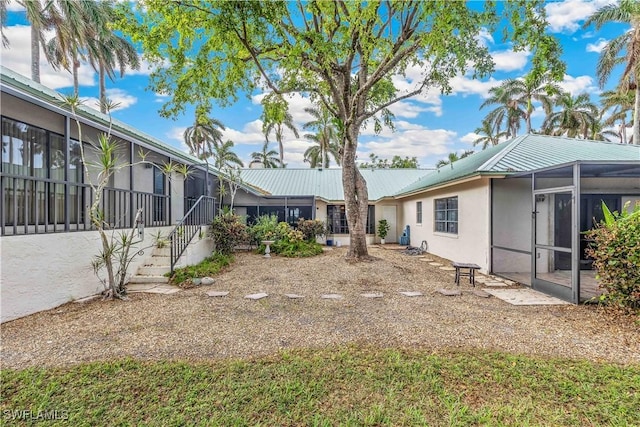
[[383, 230]]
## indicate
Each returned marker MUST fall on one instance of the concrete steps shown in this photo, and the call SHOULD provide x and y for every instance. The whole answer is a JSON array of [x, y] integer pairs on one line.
[[153, 271]]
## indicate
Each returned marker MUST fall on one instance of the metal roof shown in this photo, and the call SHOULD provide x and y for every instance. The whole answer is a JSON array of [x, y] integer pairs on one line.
[[525, 153], [326, 184]]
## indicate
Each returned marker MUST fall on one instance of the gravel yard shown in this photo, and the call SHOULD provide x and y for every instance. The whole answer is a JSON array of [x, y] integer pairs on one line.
[[189, 325]]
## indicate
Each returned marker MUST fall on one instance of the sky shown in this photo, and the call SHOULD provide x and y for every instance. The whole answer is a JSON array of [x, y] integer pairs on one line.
[[428, 126]]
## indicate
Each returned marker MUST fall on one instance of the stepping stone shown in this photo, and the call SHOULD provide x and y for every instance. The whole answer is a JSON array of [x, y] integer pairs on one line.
[[481, 294], [331, 296], [207, 280], [293, 296], [481, 279], [411, 293], [141, 287], [435, 264], [166, 290], [218, 293], [426, 259], [509, 282], [449, 292], [495, 284], [257, 296], [372, 295], [447, 268]]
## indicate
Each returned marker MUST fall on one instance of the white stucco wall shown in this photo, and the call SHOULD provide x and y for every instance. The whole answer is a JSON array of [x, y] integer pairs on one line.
[[471, 244], [200, 248], [512, 224], [43, 271]]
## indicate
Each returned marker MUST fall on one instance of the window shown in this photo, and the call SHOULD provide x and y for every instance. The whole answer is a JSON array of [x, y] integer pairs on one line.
[[32, 152], [446, 215], [337, 219], [419, 212], [159, 191]]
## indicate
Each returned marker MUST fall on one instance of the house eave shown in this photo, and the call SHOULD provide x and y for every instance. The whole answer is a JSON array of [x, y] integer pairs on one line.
[[469, 178]]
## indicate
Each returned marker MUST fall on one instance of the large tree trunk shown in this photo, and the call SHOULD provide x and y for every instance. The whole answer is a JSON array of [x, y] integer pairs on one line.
[[636, 115], [35, 54], [356, 198]]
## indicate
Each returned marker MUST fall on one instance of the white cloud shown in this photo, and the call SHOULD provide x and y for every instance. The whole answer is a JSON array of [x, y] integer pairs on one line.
[[250, 134], [119, 97], [508, 60], [17, 57], [577, 85], [14, 6], [597, 46], [297, 104], [176, 134], [145, 69], [410, 110], [420, 142], [566, 16], [467, 86], [485, 38], [470, 137]]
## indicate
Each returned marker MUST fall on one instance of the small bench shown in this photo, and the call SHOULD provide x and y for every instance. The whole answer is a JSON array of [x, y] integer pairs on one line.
[[459, 266]]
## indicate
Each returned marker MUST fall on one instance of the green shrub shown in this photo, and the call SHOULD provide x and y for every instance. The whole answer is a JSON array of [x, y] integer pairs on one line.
[[265, 228], [311, 228], [296, 249], [227, 231], [207, 268], [615, 249]]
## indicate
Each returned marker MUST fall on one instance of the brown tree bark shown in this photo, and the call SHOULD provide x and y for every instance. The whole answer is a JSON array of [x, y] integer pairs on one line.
[[356, 198]]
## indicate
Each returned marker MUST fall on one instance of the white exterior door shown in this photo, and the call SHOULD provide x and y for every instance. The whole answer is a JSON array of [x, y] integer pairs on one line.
[[389, 213]]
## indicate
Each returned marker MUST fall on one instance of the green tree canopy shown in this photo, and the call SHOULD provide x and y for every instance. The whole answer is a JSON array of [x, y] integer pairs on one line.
[[340, 54], [397, 162]]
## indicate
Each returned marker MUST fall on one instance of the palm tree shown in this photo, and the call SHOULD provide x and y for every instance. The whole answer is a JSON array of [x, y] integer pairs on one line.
[[224, 157], [275, 119], [621, 102], [627, 12], [268, 158], [573, 119], [75, 22], [508, 111], [109, 52], [487, 135], [326, 138], [598, 130], [39, 23], [203, 136], [453, 157], [525, 91]]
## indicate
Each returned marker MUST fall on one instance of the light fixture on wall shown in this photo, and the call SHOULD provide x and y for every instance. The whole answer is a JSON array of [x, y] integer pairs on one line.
[[540, 198]]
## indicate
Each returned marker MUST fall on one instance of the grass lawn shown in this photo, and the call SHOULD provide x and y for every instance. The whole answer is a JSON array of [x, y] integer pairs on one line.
[[345, 385]]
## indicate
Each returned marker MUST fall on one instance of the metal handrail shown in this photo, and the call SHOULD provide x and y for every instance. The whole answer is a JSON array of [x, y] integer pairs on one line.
[[201, 213]]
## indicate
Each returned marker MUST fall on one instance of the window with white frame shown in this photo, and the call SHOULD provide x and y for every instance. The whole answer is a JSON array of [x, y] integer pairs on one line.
[[446, 215], [418, 212]]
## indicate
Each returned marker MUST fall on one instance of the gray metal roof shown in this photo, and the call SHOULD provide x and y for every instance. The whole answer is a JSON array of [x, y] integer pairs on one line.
[[525, 153], [326, 184]]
